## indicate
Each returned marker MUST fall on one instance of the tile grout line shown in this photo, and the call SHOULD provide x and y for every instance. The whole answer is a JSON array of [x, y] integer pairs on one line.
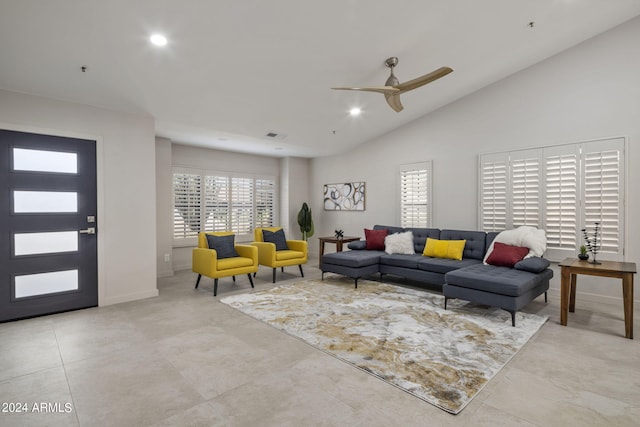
[[64, 368]]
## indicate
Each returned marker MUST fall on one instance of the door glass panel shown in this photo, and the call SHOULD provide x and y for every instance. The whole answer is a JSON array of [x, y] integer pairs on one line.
[[45, 243], [46, 283], [45, 202], [44, 161]]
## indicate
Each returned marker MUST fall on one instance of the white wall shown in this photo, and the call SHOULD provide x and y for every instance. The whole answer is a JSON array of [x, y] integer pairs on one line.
[[294, 181], [587, 92], [164, 206], [126, 185]]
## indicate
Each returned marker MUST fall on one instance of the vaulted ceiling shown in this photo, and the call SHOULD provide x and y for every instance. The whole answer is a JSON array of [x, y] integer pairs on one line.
[[234, 71]]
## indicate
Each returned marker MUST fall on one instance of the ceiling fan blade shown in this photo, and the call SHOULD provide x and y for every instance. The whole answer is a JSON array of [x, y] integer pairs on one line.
[[379, 89], [423, 80], [394, 101]]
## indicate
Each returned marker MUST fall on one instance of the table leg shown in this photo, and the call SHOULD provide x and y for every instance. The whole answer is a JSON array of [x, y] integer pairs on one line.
[[339, 246], [572, 297], [321, 252], [627, 296], [565, 290]]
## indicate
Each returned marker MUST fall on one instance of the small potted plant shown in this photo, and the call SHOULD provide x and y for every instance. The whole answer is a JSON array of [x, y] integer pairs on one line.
[[583, 255]]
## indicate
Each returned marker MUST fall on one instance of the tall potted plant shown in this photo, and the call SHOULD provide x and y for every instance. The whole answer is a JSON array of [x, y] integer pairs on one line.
[[305, 221]]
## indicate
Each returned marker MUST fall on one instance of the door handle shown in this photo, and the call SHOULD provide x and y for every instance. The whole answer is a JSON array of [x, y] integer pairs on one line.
[[90, 230]]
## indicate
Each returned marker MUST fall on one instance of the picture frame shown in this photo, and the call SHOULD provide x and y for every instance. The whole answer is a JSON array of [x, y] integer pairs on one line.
[[347, 196]]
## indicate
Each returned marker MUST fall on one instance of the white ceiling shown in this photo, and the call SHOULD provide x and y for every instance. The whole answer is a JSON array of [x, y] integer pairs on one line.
[[235, 70]]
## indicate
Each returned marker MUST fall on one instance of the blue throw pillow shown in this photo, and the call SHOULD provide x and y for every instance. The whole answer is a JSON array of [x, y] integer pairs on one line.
[[357, 245], [224, 245], [276, 237], [534, 264]]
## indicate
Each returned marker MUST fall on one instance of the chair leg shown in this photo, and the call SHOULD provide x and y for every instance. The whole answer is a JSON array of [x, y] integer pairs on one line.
[[215, 287], [198, 281], [282, 269], [545, 298], [274, 275], [301, 272], [250, 279], [254, 274], [513, 317], [234, 279]]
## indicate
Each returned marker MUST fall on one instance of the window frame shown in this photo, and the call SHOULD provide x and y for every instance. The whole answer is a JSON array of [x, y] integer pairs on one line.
[[427, 167], [231, 222], [549, 191]]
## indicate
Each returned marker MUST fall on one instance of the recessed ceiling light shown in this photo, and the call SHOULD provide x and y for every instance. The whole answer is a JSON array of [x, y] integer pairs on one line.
[[158, 39], [355, 111]]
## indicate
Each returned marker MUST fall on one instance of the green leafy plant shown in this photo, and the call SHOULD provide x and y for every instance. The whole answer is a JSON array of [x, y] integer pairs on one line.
[[305, 221], [583, 250]]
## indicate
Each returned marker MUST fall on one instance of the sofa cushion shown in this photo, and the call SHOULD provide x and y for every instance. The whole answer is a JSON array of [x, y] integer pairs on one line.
[[276, 237], [223, 245], [498, 280], [506, 255], [450, 249], [234, 262], [399, 243], [475, 246], [420, 236], [534, 264], [401, 260], [357, 245], [390, 228], [375, 239], [288, 254], [443, 265], [353, 259]]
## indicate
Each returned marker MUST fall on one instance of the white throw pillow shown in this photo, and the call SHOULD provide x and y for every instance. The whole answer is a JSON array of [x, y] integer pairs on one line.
[[399, 243], [525, 236]]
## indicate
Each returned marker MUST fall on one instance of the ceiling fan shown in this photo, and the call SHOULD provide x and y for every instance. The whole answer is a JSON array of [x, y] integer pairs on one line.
[[393, 88]]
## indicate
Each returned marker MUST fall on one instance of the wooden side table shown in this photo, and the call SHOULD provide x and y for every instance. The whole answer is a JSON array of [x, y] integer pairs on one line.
[[571, 267], [338, 242]]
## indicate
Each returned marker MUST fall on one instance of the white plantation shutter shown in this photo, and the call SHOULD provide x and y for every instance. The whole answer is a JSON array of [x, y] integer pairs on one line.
[[265, 202], [212, 201], [603, 191], [415, 195], [493, 192], [216, 193], [561, 216], [242, 205], [525, 188], [186, 204]]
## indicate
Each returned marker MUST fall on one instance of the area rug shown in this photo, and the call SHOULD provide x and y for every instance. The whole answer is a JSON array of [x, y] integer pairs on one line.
[[401, 335]]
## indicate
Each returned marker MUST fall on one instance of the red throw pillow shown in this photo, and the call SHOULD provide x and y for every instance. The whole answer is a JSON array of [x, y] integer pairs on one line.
[[375, 239], [506, 255]]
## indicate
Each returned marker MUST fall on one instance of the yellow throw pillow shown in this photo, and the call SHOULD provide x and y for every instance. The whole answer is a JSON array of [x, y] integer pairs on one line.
[[450, 249]]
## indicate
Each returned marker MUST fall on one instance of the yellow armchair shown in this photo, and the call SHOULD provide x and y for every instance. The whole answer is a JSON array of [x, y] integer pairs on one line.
[[205, 261], [268, 256]]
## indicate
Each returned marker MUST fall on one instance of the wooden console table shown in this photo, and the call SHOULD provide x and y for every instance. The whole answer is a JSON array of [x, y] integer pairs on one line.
[[571, 267], [338, 242]]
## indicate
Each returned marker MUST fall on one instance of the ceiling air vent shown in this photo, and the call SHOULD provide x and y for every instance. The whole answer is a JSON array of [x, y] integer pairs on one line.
[[278, 136]]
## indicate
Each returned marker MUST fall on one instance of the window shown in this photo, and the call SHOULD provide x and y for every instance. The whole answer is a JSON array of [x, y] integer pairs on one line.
[[415, 194], [561, 189], [211, 201]]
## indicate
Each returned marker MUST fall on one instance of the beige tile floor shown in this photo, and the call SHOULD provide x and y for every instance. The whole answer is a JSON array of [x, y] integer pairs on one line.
[[185, 359]]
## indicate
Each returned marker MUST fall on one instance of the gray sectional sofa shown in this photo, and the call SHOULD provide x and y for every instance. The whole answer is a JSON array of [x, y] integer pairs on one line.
[[469, 279]]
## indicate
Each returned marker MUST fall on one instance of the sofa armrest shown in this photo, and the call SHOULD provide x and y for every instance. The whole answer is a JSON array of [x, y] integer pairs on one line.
[[297, 245], [248, 251], [204, 261], [266, 253]]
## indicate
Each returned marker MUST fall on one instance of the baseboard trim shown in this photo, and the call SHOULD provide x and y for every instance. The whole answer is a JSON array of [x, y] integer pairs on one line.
[[129, 297], [165, 273], [596, 298]]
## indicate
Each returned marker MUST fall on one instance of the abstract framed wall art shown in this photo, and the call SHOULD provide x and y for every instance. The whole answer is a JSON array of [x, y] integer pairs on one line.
[[348, 196]]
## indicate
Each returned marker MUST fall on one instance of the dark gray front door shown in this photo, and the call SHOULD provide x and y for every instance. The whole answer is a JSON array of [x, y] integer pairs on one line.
[[48, 245]]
